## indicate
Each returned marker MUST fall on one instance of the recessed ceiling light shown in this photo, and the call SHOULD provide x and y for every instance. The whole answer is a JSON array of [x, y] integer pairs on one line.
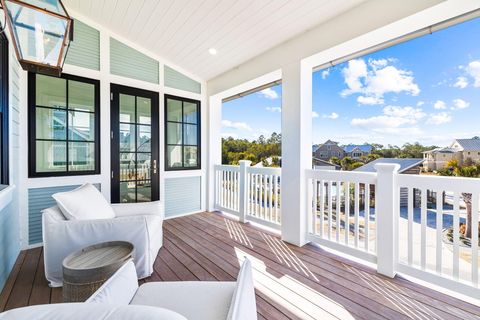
[[212, 51]]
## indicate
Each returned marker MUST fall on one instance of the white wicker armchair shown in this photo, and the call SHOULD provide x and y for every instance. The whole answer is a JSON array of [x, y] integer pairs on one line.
[[137, 223]]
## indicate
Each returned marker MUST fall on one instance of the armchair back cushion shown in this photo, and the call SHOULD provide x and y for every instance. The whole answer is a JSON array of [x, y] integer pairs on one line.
[[243, 305], [84, 203], [120, 288], [97, 311]]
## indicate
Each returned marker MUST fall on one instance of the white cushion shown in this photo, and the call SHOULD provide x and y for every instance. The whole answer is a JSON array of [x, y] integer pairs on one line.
[[195, 300], [84, 203], [120, 288], [243, 305], [82, 311]]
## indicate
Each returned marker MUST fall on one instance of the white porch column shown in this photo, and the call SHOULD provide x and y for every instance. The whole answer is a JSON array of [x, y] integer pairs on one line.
[[387, 206], [214, 146], [296, 150]]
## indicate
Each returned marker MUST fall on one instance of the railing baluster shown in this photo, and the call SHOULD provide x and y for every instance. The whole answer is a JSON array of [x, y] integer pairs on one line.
[[270, 192], [366, 216], [357, 213], [474, 247], [265, 194], [275, 192], [314, 211], [410, 199], [337, 212], [330, 205], [456, 234], [347, 212], [322, 207], [439, 226], [423, 232]]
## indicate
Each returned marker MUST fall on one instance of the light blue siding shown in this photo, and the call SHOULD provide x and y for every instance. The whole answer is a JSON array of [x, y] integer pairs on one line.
[[182, 195], [9, 241], [128, 62], [84, 50], [177, 80], [39, 199]]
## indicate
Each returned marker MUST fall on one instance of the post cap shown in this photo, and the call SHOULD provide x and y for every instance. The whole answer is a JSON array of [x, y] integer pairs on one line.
[[387, 167], [246, 162]]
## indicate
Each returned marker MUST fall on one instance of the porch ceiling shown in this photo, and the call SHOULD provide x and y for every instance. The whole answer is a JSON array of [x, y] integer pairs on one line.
[[182, 31]]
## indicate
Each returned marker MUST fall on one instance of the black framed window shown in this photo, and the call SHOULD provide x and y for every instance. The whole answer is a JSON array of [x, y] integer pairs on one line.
[[4, 166], [64, 125], [182, 133]]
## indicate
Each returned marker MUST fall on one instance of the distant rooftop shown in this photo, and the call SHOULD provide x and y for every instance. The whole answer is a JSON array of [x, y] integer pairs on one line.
[[363, 147], [469, 144], [405, 164]]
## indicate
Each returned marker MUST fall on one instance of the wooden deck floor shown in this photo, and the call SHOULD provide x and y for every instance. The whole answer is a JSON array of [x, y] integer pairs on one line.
[[291, 282]]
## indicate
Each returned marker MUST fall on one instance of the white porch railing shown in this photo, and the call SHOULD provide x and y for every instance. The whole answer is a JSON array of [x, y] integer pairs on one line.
[[251, 193], [399, 222]]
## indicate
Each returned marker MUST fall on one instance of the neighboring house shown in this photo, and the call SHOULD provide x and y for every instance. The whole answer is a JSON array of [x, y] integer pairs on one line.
[[319, 164], [328, 150], [407, 166], [357, 151], [437, 158], [460, 150]]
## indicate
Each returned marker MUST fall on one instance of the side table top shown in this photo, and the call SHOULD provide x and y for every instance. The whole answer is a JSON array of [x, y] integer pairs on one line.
[[99, 255]]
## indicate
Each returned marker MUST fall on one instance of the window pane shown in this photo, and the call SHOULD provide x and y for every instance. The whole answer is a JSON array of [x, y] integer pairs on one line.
[[144, 138], [174, 156], [50, 123], [190, 157], [50, 91], [81, 96], [144, 110], [127, 108], [174, 133], [81, 156], [127, 192], [190, 134], [127, 137], [51, 156], [190, 112], [127, 166], [174, 110], [144, 191], [144, 163], [81, 126]]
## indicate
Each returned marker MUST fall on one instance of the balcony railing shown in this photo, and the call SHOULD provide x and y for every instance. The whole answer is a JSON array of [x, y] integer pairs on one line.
[[402, 223]]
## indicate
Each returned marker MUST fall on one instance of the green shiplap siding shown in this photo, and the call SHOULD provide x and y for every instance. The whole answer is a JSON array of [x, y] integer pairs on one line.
[[182, 195], [128, 62], [84, 50], [177, 80], [39, 199]]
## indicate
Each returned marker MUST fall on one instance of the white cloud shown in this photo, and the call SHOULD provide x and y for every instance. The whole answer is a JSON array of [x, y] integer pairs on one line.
[[380, 79], [420, 103], [392, 117], [440, 105], [473, 69], [269, 93], [460, 104], [439, 118], [325, 73], [332, 116], [315, 114], [372, 100], [274, 109], [236, 125], [461, 83]]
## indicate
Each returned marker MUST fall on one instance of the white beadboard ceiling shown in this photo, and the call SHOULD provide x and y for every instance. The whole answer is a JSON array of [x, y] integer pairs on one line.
[[182, 31]]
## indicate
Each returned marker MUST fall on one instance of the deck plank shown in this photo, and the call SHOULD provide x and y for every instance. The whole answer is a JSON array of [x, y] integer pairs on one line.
[[292, 282]]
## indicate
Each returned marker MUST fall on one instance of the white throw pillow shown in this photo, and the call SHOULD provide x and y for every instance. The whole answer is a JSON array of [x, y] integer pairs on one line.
[[243, 305], [84, 203]]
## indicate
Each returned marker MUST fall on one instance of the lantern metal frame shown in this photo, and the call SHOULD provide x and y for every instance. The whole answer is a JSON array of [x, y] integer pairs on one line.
[[34, 66]]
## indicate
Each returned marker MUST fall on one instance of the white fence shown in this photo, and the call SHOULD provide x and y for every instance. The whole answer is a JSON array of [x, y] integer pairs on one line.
[[361, 214], [251, 193]]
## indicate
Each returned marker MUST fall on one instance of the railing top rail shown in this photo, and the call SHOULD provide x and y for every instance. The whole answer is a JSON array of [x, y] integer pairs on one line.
[[224, 167], [344, 176], [455, 184], [264, 170]]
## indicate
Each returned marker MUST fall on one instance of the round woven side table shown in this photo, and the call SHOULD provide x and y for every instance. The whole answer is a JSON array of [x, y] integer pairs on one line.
[[84, 271]]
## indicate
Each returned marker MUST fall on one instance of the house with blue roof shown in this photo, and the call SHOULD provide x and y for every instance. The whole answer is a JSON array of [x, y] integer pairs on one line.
[[356, 151]]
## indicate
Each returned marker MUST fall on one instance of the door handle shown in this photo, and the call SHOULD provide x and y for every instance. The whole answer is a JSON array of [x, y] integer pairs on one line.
[[154, 166]]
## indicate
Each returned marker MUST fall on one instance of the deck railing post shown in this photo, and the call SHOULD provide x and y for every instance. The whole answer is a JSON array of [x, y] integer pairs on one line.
[[243, 189], [386, 197]]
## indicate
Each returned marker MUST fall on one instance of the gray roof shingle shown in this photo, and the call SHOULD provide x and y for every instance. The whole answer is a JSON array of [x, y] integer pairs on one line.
[[469, 144]]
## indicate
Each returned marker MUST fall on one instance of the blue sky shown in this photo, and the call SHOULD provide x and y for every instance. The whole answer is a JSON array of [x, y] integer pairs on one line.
[[425, 90]]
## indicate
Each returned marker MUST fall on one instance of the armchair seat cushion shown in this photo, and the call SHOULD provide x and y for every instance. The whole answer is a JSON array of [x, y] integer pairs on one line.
[[195, 300]]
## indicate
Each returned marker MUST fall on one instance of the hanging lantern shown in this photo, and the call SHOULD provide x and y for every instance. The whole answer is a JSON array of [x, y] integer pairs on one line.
[[41, 31]]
